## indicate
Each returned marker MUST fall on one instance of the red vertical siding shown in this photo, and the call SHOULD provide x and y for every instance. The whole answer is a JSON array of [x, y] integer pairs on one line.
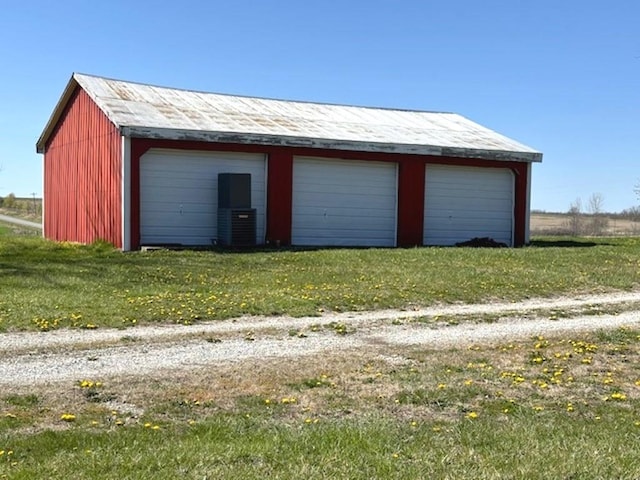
[[410, 203], [279, 197], [82, 176]]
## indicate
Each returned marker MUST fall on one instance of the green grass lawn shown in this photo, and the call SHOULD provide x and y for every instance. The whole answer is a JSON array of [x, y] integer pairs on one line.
[[563, 407], [48, 285]]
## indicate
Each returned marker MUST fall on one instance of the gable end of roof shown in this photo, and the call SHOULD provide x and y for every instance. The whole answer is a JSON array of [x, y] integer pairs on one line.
[[72, 85]]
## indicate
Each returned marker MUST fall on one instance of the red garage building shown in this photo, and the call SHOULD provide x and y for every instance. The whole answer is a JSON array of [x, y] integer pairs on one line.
[[137, 165]]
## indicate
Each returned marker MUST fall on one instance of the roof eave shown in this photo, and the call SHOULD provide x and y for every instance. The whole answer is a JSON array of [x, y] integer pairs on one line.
[[57, 113], [291, 141]]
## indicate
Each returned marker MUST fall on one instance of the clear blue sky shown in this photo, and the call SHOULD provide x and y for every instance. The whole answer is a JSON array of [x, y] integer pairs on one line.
[[562, 76]]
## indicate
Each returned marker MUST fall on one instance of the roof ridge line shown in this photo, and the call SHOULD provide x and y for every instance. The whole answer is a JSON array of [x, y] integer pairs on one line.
[[272, 99]]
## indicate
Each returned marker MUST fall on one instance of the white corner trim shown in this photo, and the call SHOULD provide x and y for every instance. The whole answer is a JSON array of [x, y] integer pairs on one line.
[[527, 219], [126, 193]]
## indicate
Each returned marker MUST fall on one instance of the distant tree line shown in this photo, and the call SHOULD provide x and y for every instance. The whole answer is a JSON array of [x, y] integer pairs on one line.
[[26, 205]]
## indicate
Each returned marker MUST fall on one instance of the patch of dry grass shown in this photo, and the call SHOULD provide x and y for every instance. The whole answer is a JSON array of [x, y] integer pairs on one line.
[[442, 385], [561, 224], [475, 411]]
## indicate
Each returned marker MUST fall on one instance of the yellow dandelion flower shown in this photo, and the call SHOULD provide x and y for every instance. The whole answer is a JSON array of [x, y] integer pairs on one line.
[[472, 415]]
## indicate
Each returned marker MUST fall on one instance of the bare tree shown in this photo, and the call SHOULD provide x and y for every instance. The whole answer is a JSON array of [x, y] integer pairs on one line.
[[598, 222], [596, 202], [575, 217], [632, 213]]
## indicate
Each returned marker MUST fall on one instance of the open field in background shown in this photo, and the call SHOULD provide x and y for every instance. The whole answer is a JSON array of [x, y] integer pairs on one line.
[[558, 407], [22, 207], [564, 224]]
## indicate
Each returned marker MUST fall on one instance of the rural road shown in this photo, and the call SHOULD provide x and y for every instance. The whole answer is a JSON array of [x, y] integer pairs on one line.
[[19, 221], [44, 358]]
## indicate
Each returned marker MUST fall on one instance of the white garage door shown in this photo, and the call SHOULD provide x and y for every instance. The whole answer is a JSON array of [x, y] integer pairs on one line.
[[462, 203], [343, 202], [179, 194]]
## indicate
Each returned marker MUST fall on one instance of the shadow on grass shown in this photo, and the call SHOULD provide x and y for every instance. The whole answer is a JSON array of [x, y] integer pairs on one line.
[[566, 243]]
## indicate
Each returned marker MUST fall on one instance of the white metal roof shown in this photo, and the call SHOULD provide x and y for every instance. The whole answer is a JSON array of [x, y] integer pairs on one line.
[[148, 111]]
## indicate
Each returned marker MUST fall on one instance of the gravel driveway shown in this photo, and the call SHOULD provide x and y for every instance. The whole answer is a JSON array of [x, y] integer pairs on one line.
[[49, 357]]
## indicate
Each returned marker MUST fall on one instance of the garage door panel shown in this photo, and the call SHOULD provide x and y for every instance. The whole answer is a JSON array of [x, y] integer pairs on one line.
[[469, 191], [353, 192], [191, 219], [347, 239], [472, 224], [179, 194], [373, 222], [335, 204], [340, 184], [198, 231], [346, 208], [343, 202], [470, 208], [466, 202], [186, 206]]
